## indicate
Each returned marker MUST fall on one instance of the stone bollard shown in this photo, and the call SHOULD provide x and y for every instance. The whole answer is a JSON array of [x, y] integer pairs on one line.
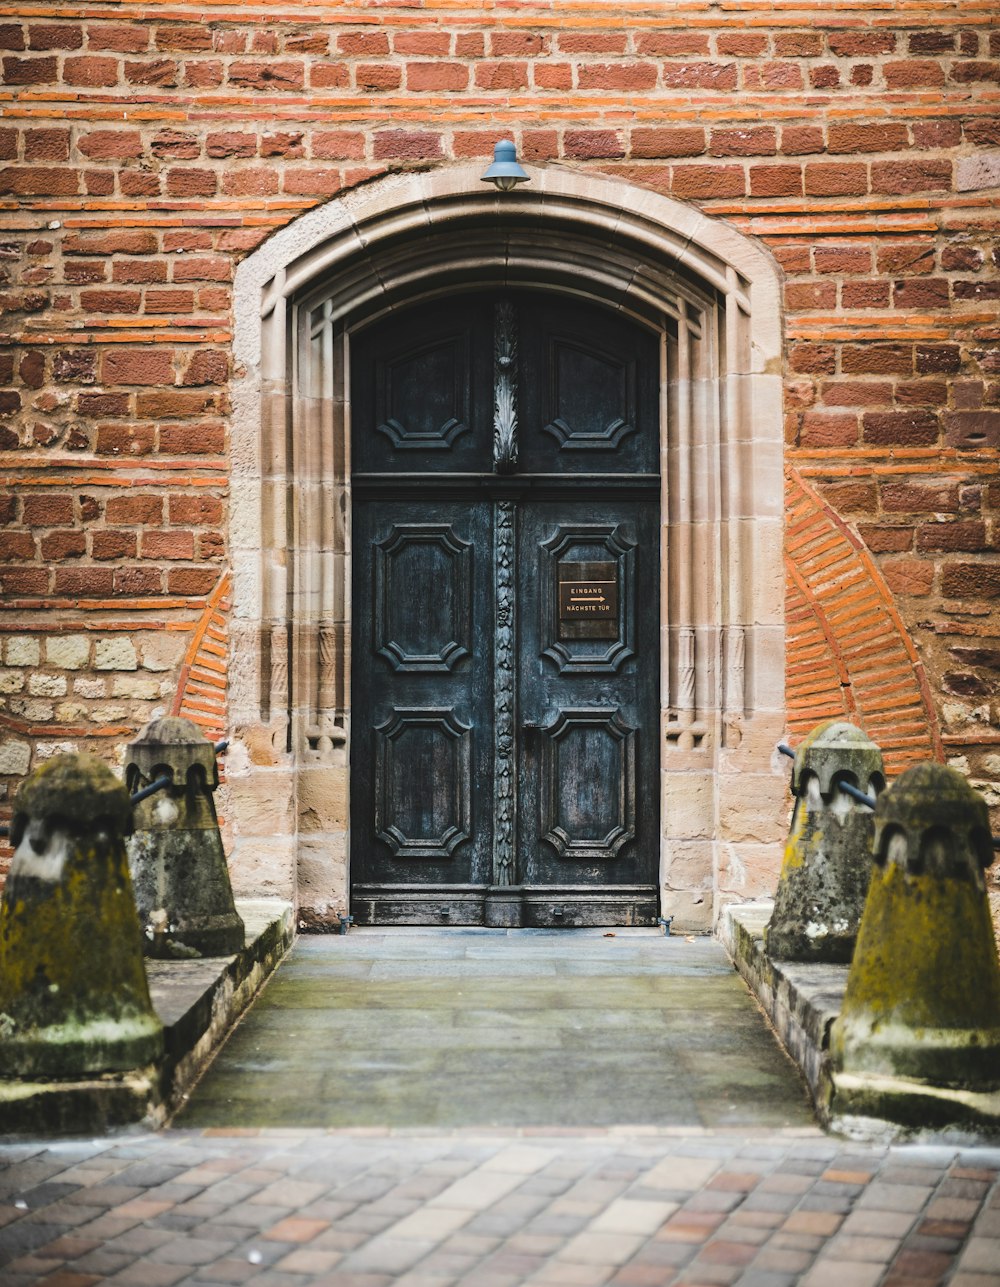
[[923, 991], [179, 872], [73, 994], [827, 862]]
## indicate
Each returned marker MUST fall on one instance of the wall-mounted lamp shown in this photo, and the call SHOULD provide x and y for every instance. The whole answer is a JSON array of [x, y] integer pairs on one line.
[[505, 171]]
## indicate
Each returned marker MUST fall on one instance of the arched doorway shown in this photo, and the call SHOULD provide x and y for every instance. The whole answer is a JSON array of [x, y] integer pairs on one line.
[[708, 298]]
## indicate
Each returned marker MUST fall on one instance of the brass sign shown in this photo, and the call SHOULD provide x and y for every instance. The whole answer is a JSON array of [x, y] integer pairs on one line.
[[588, 595]]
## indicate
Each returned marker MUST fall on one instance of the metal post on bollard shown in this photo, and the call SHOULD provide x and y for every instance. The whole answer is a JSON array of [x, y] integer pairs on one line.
[[179, 870], [74, 1001], [826, 865]]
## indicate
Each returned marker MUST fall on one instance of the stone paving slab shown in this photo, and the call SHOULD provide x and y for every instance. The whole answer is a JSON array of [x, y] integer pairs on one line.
[[763, 1208], [454, 1028]]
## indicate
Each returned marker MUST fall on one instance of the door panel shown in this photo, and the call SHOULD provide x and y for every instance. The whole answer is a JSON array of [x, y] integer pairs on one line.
[[504, 745], [421, 796], [590, 708]]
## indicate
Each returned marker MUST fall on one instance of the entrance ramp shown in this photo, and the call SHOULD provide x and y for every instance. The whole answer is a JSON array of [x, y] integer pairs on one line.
[[457, 1028]]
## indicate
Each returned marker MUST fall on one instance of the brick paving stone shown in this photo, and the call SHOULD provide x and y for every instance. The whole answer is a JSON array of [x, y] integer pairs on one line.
[[952, 1209], [228, 1271], [295, 1229], [840, 1273], [144, 1274], [981, 1255], [823, 1223], [725, 1252]]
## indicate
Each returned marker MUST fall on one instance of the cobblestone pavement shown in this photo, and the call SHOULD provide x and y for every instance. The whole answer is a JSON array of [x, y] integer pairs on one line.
[[367, 1208]]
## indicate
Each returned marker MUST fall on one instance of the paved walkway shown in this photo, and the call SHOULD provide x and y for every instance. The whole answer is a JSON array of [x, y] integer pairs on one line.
[[456, 1028], [721, 1178]]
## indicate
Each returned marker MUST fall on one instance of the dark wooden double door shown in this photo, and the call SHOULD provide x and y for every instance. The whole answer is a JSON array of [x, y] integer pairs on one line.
[[505, 674]]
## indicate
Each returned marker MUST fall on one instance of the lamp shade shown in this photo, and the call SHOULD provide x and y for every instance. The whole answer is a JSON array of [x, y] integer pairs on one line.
[[505, 171]]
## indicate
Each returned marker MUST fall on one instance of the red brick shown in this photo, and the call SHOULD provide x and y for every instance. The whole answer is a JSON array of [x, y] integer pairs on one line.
[[912, 428], [18, 545], [105, 545], [329, 76], [628, 77], [137, 366], [190, 39], [90, 70], [972, 429], [909, 576], [250, 183], [288, 143], [744, 44], [971, 581], [37, 181], [841, 258], [169, 301], [29, 581], [193, 440], [191, 581], [517, 44], [368, 43], [801, 296], [312, 182], [966, 73], [592, 144], [138, 270], [11, 36], [886, 540], [833, 180], [773, 76], [8, 145], [206, 366], [864, 294], [914, 256], [111, 145], [194, 511], [75, 366], [103, 404], [166, 545], [128, 439], [849, 136], [900, 177], [110, 301], [131, 39], [161, 71], [502, 75], [436, 77], [268, 76], [124, 241], [828, 429], [134, 581], [338, 145], [46, 145], [825, 76], [687, 141], [372, 77], [877, 359], [133, 510], [961, 258], [799, 44], [66, 543], [937, 358], [857, 393], [99, 183], [673, 44], [30, 71], [407, 145], [429, 43], [818, 359], [921, 393], [920, 498], [187, 182], [851, 498], [936, 134], [31, 369], [592, 42], [751, 141], [174, 404], [708, 181], [921, 293], [918, 72], [801, 140], [312, 42], [967, 537], [717, 76], [87, 582]]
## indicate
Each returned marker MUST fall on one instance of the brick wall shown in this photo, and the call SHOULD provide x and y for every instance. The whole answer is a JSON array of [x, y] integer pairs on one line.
[[141, 156]]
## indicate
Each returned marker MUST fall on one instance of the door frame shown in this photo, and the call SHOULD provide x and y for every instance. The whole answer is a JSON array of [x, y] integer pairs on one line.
[[714, 295]]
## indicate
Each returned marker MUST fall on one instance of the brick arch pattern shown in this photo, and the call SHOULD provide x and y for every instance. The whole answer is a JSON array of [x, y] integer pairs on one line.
[[201, 686], [849, 655]]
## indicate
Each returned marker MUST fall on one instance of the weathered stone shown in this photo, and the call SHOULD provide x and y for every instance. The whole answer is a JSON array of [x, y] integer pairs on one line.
[[73, 994], [923, 993], [182, 885], [22, 650], [70, 652], [15, 757], [827, 862], [117, 653]]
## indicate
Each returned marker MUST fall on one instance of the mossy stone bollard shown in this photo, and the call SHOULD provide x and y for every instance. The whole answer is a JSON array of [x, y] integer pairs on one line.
[[827, 861], [73, 994], [179, 871], [923, 992]]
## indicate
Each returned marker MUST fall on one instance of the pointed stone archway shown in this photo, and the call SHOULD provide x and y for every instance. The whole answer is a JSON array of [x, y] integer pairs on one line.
[[713, 298]]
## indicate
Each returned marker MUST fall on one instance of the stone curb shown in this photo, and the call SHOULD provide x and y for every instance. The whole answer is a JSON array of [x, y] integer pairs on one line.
[[197, 1001]]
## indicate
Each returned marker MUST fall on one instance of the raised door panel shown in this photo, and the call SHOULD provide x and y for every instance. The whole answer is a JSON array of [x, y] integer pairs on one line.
[[589, 698], [421, 395], [421, 740], [590, 391]]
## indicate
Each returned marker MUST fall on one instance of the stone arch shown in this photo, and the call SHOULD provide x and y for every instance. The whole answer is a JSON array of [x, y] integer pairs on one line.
[[713, 295]]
